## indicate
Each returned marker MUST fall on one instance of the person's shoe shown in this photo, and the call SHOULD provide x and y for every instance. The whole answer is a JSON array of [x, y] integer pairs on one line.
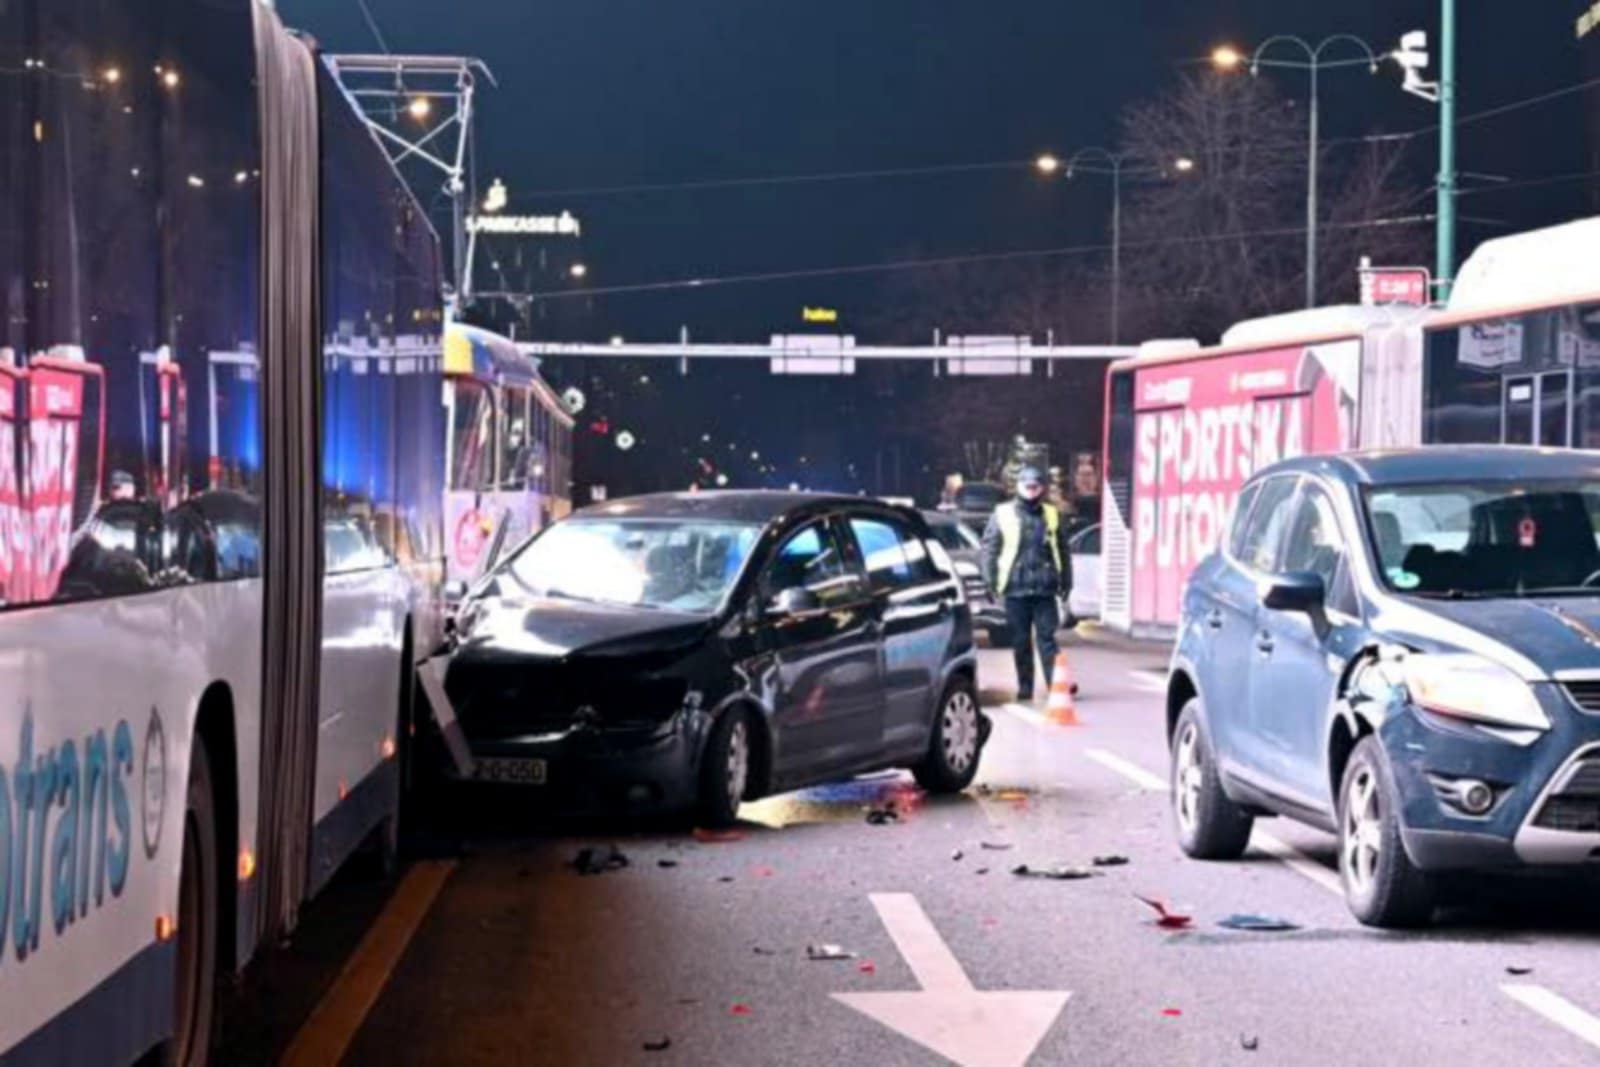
[[1024, 696]]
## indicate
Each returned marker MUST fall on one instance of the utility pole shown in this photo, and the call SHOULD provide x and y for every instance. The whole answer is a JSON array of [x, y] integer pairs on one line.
[[1445, 266]]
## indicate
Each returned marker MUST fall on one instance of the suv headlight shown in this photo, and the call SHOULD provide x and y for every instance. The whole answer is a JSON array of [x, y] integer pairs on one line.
[[1465, 686]]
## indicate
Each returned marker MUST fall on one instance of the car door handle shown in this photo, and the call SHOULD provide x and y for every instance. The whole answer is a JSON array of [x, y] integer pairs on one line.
[[1214, 619], [1264, 644]]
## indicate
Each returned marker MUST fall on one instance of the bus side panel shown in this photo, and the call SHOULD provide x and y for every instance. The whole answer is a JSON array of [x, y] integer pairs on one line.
[[364, 595], [129, 475], [1201, 429]]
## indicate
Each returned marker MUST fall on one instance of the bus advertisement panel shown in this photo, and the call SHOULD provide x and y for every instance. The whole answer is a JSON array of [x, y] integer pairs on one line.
[[1200, 429]]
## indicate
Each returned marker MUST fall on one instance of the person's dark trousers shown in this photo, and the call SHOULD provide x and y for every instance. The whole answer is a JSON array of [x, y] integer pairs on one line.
[[1034, 620]]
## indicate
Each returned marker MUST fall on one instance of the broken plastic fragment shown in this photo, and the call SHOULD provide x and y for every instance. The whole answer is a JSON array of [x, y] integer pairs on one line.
[[739, 1008], [828, 952], [867, 967], [1167, 920], [1260, 923], [956, 855], [1172, 1011], [1249, 1042], [666, 863], [997, 846], [1518, 969], [760, 951], [762, 872], [658, 1046], [599, 861], [1110, 861], [717, 837], [880, 816], [1059, 872]]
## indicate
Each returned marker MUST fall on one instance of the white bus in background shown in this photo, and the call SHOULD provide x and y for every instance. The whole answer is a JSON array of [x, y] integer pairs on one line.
[[1514, 359], [221, 541]]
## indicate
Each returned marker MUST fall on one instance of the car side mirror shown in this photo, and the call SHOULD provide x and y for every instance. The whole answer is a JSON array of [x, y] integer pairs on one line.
[[797, 600], [1302, 591]]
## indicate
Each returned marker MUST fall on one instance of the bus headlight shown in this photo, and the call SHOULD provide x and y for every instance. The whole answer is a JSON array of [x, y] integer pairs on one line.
[[1464, 686]]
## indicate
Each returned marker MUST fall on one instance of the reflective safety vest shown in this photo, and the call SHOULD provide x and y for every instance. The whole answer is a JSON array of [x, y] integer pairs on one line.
[[1011, 539]]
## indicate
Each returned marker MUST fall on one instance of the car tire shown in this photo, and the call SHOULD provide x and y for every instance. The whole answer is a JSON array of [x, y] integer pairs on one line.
[[955, 743], [1209, 825], [725, 770], [194, 993], [1381, 885]]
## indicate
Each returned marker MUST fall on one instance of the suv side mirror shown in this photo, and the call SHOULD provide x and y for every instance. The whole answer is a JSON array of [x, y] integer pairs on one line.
[[797, 600], [1301, 591]]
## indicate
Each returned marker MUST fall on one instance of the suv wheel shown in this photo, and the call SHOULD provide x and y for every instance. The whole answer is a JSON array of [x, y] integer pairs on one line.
[[1381, 884], [1210, 826], [955, 742], [725, 770]]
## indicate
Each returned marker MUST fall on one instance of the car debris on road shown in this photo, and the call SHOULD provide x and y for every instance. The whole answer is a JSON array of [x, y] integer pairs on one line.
[[598, 860]]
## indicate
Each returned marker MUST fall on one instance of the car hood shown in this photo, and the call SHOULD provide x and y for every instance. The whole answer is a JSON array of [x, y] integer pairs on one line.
[[1552, 634], [556, 628]]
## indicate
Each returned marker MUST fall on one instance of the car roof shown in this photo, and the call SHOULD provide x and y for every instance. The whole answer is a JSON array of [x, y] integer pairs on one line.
[[732, 505], [1447, 463]]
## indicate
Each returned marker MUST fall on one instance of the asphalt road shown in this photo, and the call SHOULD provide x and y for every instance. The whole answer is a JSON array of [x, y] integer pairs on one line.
[[500, 952]]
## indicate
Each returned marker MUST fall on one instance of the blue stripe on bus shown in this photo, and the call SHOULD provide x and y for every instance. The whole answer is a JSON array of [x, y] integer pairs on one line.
[[117, 1021]]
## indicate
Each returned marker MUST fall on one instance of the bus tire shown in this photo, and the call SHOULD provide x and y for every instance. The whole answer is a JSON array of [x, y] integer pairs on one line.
[[194, 1006]]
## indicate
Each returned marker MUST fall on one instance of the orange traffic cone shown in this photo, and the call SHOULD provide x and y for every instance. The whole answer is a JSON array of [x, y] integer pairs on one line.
[[1061, 710]]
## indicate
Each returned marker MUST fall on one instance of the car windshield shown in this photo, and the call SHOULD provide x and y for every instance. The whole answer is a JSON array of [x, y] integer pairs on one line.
[[672, 564], [1488, 539], [954, 536]]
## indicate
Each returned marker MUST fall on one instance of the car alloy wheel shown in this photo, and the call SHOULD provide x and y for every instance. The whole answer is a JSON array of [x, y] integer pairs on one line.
[[738, 768], [1188, 777], [1361, 845], [958, 729]]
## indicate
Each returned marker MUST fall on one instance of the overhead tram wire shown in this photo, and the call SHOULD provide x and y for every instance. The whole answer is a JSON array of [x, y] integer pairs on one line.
[[372, 24], [941, 261], [1001, 165]]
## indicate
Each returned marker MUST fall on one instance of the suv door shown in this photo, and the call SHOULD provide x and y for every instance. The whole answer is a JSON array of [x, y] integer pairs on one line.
[[827, 681], [1297, 667], [916, 604], [1229, 602]]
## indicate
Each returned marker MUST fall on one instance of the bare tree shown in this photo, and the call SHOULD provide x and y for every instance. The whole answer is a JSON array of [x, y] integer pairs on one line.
[[1225, 240]]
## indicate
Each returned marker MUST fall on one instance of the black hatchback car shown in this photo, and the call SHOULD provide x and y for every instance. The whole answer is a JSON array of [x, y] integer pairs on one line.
[[697, 650]]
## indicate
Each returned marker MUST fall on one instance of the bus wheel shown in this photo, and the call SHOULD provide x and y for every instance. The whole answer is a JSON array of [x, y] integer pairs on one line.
[[195, 974]]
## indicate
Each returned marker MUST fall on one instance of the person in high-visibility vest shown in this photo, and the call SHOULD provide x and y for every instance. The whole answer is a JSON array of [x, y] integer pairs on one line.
[[1028, 565]]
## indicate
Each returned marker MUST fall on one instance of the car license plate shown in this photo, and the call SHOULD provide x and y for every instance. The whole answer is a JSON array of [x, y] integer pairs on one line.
[[509, 771]]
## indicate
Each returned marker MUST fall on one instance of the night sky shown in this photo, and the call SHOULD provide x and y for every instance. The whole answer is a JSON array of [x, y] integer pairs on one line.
[[597, 93]]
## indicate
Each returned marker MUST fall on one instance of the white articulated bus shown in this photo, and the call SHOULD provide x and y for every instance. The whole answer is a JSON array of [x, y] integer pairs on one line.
[[1514, 359], [221, 480]]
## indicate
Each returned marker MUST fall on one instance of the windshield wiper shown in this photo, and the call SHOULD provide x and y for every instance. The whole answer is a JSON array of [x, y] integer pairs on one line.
[[1460, 594]]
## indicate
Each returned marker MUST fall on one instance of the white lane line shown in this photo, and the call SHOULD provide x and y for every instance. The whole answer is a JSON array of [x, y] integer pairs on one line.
[[1028, 715], [1297, 861], [1557, 1009], [1131, 771], [1147, 681], [1274, 846]]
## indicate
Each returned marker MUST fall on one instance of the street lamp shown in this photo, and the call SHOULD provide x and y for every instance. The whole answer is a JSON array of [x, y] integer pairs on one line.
[[1228, 59], [420, 108], [578, 270], [1110, 163]]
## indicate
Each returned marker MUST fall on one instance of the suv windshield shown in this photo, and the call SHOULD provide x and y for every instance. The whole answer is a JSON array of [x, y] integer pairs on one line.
[[678, 565], [1488, 539]]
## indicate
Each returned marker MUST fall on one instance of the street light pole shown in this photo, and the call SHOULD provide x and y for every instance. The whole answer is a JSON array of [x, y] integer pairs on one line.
[[1229, 59], [1445, 263]]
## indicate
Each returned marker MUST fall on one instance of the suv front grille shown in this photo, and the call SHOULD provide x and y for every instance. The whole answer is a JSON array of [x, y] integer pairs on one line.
[[501, 700], [1575, 807], [1585, 694]]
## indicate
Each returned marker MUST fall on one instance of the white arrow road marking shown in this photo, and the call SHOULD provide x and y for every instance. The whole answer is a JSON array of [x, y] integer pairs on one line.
[[965, 1025], [1557, 1009], [1274, 846]]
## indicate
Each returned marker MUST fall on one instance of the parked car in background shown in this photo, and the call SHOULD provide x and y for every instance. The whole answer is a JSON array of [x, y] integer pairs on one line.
[[1084, 603], [976, 501], [1402, 648], [966, 552], [697, 650]]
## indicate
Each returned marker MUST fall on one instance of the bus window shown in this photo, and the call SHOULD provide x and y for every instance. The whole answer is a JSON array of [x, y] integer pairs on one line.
[[471, 435], [512, 468]]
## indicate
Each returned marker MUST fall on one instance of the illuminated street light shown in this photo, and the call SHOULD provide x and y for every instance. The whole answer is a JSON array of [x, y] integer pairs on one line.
[[240, 177], [170, 79], [196, 182], [1183, 164], [1226, 57], [111, 75], [1047, 164], [420, 108], [722, 479], [497, 197], [578, 270], [616, 340]]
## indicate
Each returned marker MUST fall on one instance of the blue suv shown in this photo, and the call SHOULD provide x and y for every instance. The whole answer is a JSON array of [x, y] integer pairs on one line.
[[1402, 648]]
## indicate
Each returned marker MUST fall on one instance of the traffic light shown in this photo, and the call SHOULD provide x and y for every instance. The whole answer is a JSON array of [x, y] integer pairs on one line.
[[1412, 55]]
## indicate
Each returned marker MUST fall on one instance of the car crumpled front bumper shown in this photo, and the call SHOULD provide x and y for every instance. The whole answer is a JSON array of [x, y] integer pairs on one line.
[[594, 765], [1428, 752]]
